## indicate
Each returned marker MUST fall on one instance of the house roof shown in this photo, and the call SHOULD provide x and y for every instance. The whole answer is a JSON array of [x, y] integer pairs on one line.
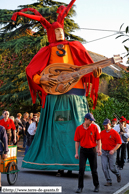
[[112, 70], [122, 66], [96, 57]]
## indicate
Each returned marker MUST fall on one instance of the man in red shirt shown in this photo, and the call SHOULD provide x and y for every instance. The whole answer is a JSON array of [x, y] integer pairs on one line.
[[111, 141], [87, 135], [8, 124]]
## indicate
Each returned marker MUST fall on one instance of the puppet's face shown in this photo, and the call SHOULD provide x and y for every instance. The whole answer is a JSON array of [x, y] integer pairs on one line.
[[59, 32]]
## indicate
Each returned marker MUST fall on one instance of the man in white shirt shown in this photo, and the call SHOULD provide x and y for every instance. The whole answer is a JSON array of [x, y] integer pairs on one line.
[[123, 130], [99, 129], [113, 122]]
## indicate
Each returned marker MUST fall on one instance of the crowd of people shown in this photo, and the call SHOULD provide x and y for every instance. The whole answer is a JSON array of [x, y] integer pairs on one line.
[[22, 126], [110, 143]]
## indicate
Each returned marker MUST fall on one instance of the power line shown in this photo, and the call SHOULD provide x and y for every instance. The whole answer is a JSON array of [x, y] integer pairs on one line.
[[101, 38], [79, 28], [101, 30], [116, 32]]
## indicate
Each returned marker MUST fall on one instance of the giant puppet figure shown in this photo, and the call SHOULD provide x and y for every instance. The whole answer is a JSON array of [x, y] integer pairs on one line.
[[53, 146]]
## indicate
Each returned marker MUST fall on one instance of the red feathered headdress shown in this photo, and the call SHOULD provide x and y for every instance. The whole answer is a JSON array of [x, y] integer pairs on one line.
[[62, 11]]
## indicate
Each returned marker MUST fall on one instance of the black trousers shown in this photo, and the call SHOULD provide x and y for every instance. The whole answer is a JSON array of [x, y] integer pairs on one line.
[[121, 155], [91, 155]]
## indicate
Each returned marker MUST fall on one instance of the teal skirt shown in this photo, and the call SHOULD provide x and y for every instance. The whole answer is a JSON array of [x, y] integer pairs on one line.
[[53, 147]]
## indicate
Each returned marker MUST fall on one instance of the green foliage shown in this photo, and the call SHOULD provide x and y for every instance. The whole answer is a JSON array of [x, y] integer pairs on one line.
[[126, 35], [100, 101], [126, 192], [109, 107], [47, 9], [106, 77], [119, 88], [117, 101]]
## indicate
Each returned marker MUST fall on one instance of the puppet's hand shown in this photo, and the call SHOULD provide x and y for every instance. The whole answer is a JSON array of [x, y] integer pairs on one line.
[[97, 72], [46, 80]]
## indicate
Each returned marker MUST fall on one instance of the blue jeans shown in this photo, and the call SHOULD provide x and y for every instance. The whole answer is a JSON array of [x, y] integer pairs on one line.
[[108, 162]]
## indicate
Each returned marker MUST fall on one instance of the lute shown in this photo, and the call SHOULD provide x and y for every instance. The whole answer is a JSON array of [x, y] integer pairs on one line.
[[65, 76]]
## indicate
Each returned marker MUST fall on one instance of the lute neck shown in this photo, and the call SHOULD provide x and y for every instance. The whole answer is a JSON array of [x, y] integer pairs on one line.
[[89, 68]]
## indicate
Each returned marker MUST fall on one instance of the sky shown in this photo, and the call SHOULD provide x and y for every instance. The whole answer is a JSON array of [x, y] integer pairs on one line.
[[96, 16]]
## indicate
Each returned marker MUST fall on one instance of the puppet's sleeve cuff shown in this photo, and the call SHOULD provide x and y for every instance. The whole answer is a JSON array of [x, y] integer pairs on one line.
[[37, 78]]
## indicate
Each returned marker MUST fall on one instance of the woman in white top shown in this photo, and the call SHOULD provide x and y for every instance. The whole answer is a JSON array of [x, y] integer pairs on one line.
[[31, 132]]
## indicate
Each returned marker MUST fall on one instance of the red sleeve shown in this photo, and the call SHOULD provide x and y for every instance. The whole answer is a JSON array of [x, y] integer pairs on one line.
[[12, 125], [81, 57], [77, 135], [97, 133], [37, 64], [101, 135], [118, 138]]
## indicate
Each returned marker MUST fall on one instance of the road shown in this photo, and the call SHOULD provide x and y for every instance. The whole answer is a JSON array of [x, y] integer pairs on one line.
[[30, 177]]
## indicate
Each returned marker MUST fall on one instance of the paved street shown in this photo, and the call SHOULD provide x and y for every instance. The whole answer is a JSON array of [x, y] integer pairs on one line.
[[30, 177]]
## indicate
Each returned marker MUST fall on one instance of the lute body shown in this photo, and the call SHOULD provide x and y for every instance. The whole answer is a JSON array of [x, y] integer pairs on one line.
[[66, 75]]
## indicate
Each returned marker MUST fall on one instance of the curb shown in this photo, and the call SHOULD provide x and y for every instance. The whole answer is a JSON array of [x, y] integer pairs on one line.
[[123, 189]]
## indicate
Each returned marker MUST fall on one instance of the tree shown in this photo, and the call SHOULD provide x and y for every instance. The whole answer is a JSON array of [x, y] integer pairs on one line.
[[117, 102], [119, 88], [19, 42], [108, 108], [125, 34]]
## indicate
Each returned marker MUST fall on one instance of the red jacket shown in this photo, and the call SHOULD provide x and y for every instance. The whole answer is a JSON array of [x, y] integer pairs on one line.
[[41, 60]]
